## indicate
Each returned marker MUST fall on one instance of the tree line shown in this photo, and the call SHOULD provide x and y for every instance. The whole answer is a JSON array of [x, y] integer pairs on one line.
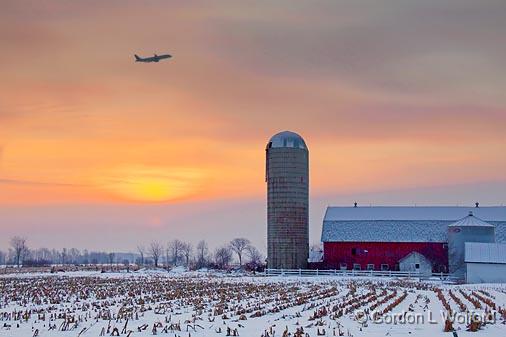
[[180, 253], [238, 252]]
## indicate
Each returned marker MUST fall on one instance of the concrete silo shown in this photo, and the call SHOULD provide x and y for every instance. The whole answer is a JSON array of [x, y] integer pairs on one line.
[[287, 177], [468, 229]]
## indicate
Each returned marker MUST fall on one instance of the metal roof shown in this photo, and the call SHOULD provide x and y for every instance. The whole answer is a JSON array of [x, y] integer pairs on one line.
[[384, 231], [471, 221], [479, 252], [287, 139], [403, 224], [448, 213]]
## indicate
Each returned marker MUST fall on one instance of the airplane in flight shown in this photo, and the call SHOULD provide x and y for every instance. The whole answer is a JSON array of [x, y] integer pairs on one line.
[[155, 58]]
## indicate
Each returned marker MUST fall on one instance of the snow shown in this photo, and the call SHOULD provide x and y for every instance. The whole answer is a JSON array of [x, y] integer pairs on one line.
[[444, 213], [384, 231], [471, 221], [405, 224], [178, 270], [205, 302]]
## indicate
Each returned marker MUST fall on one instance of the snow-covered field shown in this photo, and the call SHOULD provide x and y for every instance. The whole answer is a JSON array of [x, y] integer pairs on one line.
[[198, 304]]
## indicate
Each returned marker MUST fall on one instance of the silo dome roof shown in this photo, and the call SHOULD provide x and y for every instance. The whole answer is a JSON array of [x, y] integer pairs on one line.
[[287, 139], [471, 220]]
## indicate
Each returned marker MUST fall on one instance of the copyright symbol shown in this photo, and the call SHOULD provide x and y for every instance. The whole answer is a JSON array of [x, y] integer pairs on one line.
[[360, 316]]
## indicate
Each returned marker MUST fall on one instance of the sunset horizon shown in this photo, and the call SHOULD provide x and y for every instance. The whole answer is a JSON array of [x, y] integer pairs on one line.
[[402, 105]]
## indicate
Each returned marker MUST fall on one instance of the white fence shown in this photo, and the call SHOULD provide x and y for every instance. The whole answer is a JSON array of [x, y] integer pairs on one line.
[[366, 273]]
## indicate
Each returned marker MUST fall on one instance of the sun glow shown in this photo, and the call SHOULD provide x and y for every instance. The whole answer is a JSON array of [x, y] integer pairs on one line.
[[152, 184]]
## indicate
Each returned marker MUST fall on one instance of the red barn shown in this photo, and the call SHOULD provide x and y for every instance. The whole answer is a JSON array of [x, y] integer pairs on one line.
[[378, 238], [382, 255]]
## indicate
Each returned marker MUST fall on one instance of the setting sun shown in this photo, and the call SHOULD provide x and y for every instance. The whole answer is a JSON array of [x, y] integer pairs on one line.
[[151, 184]]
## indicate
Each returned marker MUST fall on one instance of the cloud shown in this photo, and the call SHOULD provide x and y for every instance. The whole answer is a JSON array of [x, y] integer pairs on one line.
[[312, 65], [416, 47], [35, 183], [344, 75]]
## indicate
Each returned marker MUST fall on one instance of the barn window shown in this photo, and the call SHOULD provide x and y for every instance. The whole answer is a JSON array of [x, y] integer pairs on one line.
[[417, 265], [343, 266], [384, 267], [354, 251], [356, 266], [370, 266]]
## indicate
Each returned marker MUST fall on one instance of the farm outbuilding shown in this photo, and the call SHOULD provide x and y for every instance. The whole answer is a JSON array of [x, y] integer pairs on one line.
[[468, 229], [485, 262], [417, 263], [378, 238]]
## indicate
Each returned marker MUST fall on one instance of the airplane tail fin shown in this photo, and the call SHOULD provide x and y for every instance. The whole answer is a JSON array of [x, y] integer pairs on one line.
[[137, 58]]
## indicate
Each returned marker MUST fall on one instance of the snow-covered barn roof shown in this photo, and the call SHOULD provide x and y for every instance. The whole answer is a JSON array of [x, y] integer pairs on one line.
[[384, 231], [402, 223], [479, 252], [449, 213]]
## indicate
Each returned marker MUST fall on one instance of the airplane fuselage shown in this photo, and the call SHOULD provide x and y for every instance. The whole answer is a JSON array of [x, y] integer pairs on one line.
[[155, 58]]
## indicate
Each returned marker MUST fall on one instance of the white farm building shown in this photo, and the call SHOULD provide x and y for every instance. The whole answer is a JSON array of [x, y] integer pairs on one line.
[[485, 262]]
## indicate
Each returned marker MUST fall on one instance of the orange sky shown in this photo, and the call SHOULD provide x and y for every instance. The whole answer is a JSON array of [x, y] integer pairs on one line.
[[406, 98]]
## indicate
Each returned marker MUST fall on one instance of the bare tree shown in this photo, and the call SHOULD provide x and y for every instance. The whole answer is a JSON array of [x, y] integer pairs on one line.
[[86, 257], [167, 256], [63, 256], [176, 249], [186, 251], [141, 251], [254, 255], [111, 257], [238, 246], [73, 255], [156, 250], [126, 263], [2, 258], [41, 255], [223, 256], [19, 249], [202, 254]]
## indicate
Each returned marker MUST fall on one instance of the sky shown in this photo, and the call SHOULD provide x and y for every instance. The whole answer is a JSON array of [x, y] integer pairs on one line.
[[399, 102]]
